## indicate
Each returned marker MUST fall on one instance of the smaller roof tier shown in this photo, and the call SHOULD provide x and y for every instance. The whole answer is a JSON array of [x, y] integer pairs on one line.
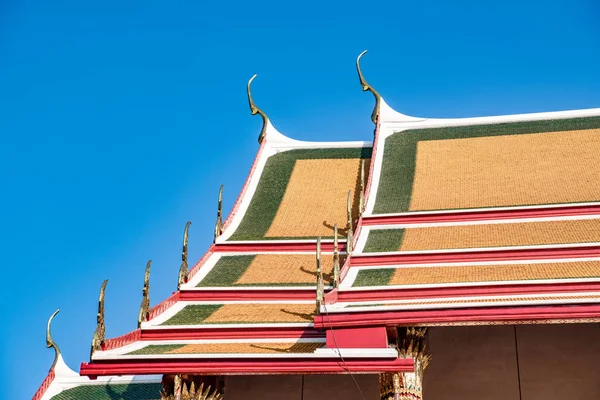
[[186, 314], [261, 270], [301, 193]]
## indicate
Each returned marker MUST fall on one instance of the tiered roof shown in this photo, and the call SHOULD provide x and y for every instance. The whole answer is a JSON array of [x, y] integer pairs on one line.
[[489, 220]]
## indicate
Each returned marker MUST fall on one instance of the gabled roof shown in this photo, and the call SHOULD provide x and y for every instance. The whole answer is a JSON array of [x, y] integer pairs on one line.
[[476, 220]]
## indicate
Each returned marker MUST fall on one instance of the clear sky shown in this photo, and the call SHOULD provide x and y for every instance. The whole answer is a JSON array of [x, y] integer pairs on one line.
[[119, 121]]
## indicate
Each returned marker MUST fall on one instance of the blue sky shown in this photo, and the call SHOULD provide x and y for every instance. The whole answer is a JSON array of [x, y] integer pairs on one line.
[[119, 121]]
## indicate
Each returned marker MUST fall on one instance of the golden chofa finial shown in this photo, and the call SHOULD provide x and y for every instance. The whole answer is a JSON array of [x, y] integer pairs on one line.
[[349, 223], [219, 223], [99, 334], [145, 306], [336, 258], [368, 88], [255, 110], [183, 270], [361, 199], [320, 284], [50, 342]]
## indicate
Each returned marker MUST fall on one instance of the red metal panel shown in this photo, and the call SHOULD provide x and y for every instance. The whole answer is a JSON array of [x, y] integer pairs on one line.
[[357, 338]]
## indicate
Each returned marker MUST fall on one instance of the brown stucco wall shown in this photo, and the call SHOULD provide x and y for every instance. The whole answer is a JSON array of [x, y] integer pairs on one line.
[[559, 361], [472, 363], [525, 362], [297, 387]]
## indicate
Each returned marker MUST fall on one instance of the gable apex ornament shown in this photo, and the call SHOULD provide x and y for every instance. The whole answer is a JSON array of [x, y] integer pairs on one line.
[[50, 343], [368, 88], [255, 110]]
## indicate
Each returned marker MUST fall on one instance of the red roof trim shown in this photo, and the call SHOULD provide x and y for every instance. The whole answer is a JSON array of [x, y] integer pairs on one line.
[[276, 246], [482, 215], [231, 333], [164, 305], [461, 291], [476, 315], [242, 293], [246, 366], [123, 340], [237, 203], [365, 259], [44, 386]]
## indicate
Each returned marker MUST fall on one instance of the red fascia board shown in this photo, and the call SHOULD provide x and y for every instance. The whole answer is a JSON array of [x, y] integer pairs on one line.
[[482, 215], [468, 256], [231, 333], [229, 247], [238, 201], [44, 386], [255, 294], [483, 315], [246, 366], [480, 290]]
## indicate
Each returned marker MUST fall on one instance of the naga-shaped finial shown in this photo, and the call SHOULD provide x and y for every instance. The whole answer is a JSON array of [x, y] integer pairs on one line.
[[349, 223], [99, 334], [145, 306], [219, 223], [361, 199], [50, 342], [366, 87], [183, 270], [336, 258], [320, 288], [255, 110]]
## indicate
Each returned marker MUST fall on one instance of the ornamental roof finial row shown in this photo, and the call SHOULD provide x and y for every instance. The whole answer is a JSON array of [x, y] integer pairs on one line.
[[349, 223], [50, 342], [320, 284], [255, 110], [368, 88], [99, 334], [183, 270], [336, 258], [145, 306], [219, 223]]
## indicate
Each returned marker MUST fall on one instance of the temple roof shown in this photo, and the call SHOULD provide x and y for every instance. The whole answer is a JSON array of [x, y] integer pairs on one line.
[[449, 221]]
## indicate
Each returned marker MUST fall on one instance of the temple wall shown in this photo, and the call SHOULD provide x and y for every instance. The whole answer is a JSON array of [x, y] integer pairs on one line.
[[298, 387], [525, 362]]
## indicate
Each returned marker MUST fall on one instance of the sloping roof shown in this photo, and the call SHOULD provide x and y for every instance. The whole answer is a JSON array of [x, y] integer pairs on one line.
[[479, 220], [495, 165], [483, 220]]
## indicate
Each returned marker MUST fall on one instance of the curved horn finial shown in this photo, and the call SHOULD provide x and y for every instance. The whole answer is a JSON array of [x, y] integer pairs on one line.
[[183, 270], [50, 343], [366, 87], [145, 306], [255, 110]]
